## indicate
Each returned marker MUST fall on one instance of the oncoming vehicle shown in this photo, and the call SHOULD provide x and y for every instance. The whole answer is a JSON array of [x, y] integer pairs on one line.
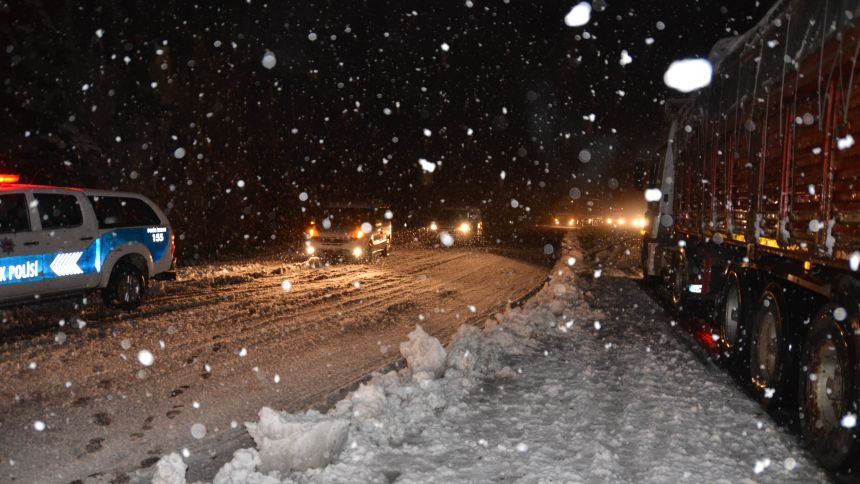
[[349, 232], [463, 225], [61, 241]]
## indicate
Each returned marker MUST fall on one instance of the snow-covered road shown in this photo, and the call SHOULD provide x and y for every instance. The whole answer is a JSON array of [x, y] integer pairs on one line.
[[590, 381], [226, 340]]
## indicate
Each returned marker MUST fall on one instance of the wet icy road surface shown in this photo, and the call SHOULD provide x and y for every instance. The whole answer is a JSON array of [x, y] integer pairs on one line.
[[588, 381], [226, 339]]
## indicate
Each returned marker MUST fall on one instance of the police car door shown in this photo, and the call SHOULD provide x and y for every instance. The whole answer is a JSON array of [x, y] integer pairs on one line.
[[19, 247], [68, 232]]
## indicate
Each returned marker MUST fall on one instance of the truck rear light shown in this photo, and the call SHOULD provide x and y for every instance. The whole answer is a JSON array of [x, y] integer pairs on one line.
[[172, 244]]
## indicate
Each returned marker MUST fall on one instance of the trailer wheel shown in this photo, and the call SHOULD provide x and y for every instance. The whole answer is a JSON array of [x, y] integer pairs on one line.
[[769, 357], [827, 392], [733, 319]]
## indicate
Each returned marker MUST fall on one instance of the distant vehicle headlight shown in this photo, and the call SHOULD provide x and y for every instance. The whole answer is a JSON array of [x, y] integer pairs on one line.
[[433, 226], [622, 221], [555, 220], [356, 252], [310, 250], [465, 227], [571, 222], [609, 221]]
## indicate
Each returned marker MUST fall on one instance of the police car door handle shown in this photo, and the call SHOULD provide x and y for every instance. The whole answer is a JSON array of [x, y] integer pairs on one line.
[[32, 242], [86, 238]]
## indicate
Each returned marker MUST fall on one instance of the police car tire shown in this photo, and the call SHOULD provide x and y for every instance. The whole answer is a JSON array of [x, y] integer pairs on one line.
[[124, 273]]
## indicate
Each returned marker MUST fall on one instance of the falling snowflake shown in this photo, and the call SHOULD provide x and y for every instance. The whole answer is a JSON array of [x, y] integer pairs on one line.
[[687, 75], [579, 15], [426, 165], [145, 357], [269, 59]]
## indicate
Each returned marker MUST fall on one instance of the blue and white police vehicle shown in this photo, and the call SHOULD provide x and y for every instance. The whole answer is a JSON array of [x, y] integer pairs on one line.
[[58, 241]]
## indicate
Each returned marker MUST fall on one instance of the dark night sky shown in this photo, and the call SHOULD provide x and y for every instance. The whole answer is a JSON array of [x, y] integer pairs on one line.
[[515, 74]]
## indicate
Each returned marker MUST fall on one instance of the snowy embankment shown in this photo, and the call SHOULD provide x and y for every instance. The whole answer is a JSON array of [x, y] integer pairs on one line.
[[585, 382]]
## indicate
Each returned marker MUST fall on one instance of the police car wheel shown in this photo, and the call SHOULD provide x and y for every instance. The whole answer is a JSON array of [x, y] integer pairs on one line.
[[126, 287]]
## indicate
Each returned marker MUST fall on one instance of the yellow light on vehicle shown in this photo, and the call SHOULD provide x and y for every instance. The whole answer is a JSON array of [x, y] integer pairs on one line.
[[465, 228], [359, 234], [643, 232], [807, 265], [433, 226], [356, 252], [312, 232]]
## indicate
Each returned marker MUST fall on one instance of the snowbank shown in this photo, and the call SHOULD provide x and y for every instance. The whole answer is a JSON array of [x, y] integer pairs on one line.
[[560, 389]]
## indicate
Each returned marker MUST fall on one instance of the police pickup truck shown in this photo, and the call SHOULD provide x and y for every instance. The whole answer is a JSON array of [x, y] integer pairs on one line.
[[60, 241]]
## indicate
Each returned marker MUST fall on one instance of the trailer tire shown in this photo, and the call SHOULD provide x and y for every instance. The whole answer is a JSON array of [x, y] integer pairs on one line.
[[734, 315], [828, 390], [769, 355]]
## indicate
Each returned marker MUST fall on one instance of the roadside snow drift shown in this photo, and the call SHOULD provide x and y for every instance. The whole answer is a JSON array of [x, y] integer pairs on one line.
[[584, 383]]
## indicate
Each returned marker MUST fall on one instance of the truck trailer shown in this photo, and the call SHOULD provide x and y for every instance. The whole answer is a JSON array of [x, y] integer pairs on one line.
[[755, 212]]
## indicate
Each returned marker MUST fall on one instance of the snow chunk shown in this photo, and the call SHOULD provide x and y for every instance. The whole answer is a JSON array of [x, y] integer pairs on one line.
[[423, 353], [242, 469], [687, 75], [579, 15], [170, 469], [625, 58], [297, 442]]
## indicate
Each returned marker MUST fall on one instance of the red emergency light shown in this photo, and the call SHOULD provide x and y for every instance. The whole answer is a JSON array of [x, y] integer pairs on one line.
[[6, 178]]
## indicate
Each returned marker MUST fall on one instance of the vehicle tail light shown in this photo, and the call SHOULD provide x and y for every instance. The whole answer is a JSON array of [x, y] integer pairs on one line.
[[6, 178]]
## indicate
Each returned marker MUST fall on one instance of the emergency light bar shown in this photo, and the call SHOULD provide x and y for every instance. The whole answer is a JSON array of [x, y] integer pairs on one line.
[[5, 178]]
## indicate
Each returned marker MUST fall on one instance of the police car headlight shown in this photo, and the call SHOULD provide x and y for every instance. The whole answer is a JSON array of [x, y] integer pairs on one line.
[[310, 250], [433, 226], [356, 252], [465, 228]]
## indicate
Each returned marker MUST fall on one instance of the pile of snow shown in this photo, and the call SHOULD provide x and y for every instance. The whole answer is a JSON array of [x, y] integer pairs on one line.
[[297, 442], [560, 389]]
